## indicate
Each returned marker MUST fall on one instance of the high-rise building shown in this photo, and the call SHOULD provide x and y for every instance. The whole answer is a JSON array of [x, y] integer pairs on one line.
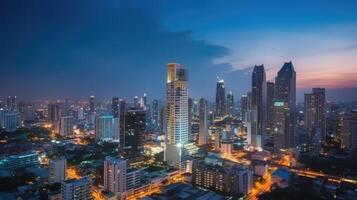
[[177, 113], [66, 126], [285, 93], [143, 102], [134, 130], [11, 120], [230, 104], [77, 189], [280, 124], [243, 107], [107, 128], [190, 118], [315, 114], [115, 175], [54, 112], [203, 120], [115, 107], [155, 113], [270, 106], [136, 102], [349, 130], [57, 169], [258, 106], [11, 103], [220, 99], [92, 104]]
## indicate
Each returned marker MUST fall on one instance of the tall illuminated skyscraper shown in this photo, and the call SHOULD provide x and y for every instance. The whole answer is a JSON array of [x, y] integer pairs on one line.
[[107, 128], [203, 127], [285, 93], [315, 113], [92, 104], [258, 123], [115, 107], [270, 106], [220, 99], [177, 113], [230, 104]]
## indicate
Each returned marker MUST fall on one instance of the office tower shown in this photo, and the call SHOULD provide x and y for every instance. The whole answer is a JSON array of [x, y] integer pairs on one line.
[[54, 112], [280, 124], [66, 126], [57, 169], [177, 113], [230, 104], [143, 102], [315, 113], [107, 128], [2, 117], [190, 116], [11, 120], [115, 107], [155, 113], [203, 127], [115, 176], [258, 106], [220, 99], [243, 107], [11, 103], [122, 106], [270, 106], [135, 126], [92, 104], [349, 131], [29, 113], [229, 180], [285, 93], [77, 189], [136, 102], [80, 113]]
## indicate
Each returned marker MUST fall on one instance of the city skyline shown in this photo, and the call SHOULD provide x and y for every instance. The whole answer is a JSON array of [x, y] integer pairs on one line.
[[53, 50]]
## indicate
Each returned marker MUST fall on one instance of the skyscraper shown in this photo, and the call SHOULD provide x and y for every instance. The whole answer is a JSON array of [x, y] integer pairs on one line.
[[115, 175], [230, 103], [155, 114], [92, 104], [143, 102], [107, 128], [177, 113], [349, 131], [134, 130], [258, 123], [220, 99], [11, 103], [115, 107], [54, 112], [203, 127], [270, 106], [190, 117], [136, 102], [285, 93], [315, 113], [57, 169], [66, 125], [243, 107], [11, 120]]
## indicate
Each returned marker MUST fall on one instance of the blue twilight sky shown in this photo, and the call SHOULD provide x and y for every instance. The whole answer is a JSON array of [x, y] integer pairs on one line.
[[65, 48]]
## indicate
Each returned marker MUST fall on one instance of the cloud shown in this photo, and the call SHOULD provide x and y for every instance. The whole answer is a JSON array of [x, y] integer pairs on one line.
[[77, 48]]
